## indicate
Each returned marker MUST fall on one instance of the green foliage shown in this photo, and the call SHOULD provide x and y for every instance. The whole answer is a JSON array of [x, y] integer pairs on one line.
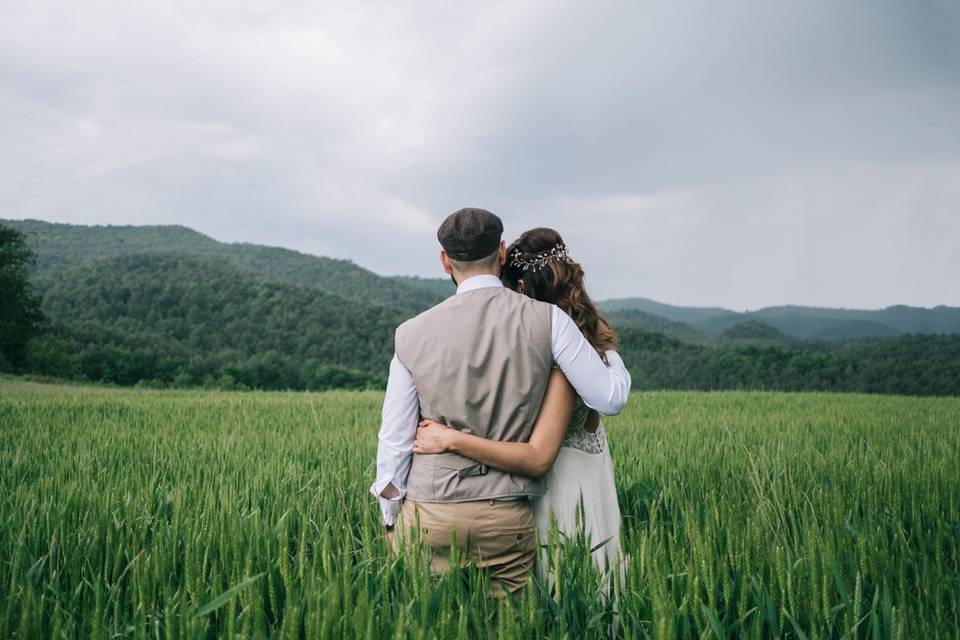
[[439, 287], [745, 515], [909, 365], [20, 315], [184, 321], [753, 330]]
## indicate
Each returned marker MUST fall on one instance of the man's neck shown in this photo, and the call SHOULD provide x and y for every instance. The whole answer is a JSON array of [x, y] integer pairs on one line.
[[460, 278], [477, 281]]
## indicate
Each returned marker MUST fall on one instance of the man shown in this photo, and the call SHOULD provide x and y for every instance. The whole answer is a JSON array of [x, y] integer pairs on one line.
[[479, 361]]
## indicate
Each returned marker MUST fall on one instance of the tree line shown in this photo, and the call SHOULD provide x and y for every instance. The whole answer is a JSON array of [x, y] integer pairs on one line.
[[923, 365]]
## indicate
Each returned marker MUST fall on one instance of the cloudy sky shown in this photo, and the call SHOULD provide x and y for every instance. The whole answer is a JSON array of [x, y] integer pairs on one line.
[[728, 153]]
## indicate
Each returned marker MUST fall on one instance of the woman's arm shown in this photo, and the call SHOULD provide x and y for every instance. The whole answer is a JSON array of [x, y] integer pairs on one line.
[[533, 458]]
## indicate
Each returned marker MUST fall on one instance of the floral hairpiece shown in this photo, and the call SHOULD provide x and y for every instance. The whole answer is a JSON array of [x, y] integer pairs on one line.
[[539, 260]]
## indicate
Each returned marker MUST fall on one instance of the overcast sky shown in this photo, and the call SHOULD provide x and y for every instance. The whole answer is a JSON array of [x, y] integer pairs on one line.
[[730, 153]]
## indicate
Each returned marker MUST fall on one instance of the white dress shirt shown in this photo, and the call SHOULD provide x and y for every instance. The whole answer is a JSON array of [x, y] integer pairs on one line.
[[602, 388]]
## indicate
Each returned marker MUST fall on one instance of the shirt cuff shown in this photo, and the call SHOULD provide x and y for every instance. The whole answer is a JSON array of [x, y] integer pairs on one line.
[[389, 508]]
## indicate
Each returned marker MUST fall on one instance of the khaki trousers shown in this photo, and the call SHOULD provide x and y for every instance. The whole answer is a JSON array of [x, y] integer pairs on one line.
[[497, 535]]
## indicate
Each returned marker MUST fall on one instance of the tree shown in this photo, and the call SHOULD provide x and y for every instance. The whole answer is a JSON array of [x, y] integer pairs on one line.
[[20, 315]]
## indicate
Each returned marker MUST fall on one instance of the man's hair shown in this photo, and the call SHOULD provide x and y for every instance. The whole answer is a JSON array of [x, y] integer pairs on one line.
[[470, 234], [486, 263]]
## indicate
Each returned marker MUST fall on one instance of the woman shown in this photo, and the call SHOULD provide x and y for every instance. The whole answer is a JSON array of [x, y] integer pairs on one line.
[[568, 445]]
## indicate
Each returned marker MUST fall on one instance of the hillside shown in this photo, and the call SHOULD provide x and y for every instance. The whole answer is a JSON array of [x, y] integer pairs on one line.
[[638, 319], [820, 323], [910, 365], [63, 246], [440, 287], [754, 330], [178, 318], [694, 316]]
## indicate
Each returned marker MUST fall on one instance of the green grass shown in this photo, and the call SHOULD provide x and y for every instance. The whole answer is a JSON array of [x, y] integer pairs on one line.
[[194, 514]]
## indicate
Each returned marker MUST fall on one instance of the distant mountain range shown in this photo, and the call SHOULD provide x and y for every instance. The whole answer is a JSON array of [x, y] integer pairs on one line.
[[166, 305], [806, 323], [702, 324]]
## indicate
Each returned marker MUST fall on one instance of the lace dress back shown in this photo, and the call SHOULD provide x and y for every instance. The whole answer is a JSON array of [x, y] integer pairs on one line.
[[581, 492], [577, 436]]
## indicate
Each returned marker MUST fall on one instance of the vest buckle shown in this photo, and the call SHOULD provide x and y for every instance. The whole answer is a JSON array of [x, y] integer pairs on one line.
[[476, 469]]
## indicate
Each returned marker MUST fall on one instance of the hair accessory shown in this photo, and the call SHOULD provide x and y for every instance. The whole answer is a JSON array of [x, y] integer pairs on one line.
[[539, 260]]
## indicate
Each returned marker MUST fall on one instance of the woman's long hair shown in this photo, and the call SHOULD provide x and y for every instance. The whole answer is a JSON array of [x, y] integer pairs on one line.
[[557, 280]]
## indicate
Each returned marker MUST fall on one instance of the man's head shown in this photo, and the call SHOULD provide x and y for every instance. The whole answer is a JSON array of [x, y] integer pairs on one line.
[[472, 244]]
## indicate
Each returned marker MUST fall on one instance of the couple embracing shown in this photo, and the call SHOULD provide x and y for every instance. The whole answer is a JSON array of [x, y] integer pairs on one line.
[[490, 427]]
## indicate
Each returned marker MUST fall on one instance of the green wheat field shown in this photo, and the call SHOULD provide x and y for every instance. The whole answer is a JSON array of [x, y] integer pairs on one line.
[[197, 514]]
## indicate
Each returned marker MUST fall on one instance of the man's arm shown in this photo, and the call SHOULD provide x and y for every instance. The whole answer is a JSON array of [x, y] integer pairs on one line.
[[603, 388], [398, 430]]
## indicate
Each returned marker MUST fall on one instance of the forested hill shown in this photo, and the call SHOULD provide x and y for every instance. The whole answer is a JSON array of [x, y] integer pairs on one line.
[[905, 365], [706, 324], [176, 318], [440, 287], [63, 246]]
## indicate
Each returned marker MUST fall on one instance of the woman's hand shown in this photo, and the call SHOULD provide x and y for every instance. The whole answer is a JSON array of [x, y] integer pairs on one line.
[[433, 437]]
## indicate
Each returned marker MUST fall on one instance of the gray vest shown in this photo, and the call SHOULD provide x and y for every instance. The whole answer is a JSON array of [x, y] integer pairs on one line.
[[481, 361]]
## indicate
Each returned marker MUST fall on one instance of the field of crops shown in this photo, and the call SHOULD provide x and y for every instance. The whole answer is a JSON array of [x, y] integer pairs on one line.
[[193, 514]]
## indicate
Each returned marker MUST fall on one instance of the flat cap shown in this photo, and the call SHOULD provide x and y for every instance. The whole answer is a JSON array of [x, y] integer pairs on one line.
[[470, 234]]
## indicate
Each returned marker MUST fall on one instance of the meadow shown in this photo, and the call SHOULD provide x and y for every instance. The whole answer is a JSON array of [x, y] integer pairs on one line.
[[197, 514]]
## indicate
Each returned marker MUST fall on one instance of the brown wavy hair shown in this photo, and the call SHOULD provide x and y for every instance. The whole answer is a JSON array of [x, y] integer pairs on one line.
[[559, 282]]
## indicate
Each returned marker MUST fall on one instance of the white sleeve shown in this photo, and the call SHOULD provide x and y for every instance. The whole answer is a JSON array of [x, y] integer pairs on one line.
[[603, 388], [398, 430]]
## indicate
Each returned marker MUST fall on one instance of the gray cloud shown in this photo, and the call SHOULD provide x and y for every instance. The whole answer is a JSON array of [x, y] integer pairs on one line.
[[735, 153]]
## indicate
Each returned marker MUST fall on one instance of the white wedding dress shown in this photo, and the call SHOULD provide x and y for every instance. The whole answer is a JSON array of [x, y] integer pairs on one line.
[[583, 472]]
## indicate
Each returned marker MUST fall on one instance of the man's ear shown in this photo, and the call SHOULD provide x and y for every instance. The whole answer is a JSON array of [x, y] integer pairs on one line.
[[445, 263], [503, 253]]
